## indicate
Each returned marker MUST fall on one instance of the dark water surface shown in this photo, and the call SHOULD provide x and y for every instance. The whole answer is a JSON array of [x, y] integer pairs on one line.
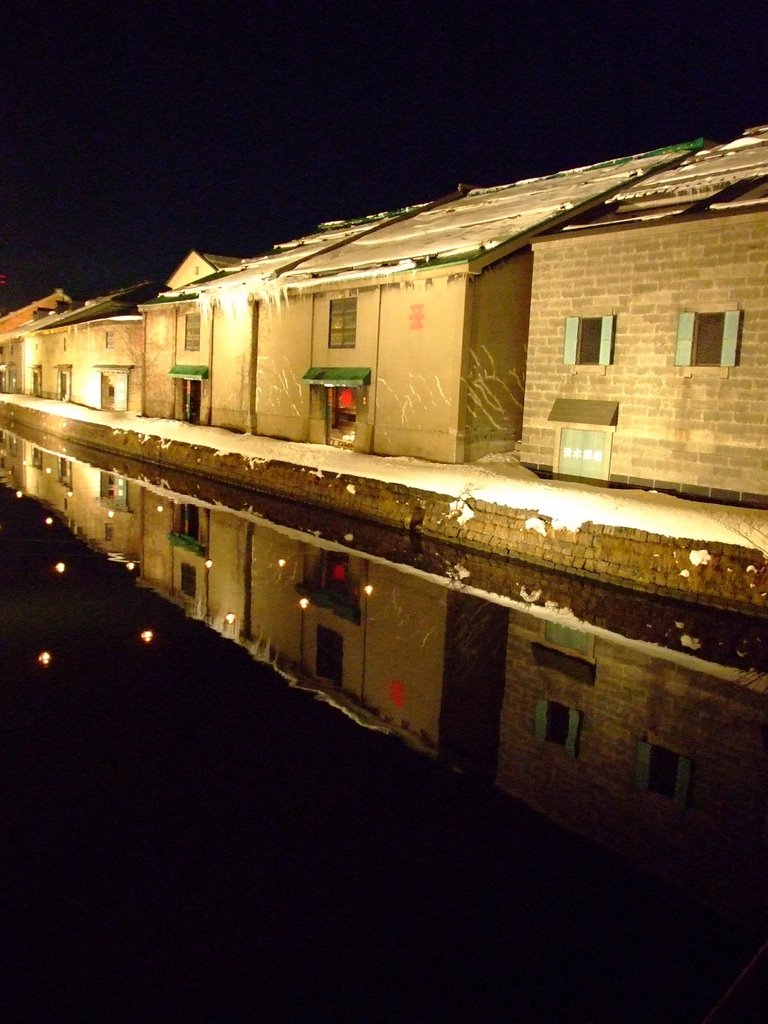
[[189, 837]]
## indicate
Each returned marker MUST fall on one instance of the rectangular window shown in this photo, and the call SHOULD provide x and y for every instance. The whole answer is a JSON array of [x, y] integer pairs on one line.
[[108, 531], [192, 332], [188, 580], [663, 771], [556, 723], [343, 323], [109, 339], [708, 339], [589, 340], [37, 458]]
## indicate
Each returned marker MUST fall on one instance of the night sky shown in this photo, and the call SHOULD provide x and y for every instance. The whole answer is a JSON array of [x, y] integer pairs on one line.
[[133, 133]]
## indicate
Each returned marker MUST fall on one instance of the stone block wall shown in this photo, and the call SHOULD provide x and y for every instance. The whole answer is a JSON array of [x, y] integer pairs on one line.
[[635, 696], [697, 430], [732, 577]]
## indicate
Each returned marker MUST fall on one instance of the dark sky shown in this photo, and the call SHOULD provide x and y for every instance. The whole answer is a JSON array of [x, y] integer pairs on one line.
[[132, 133]]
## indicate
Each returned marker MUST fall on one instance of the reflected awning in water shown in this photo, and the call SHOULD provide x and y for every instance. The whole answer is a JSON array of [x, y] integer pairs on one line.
[[338, 376]]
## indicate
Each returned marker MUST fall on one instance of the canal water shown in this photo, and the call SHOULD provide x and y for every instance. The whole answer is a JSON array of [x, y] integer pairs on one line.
[[253, 771]]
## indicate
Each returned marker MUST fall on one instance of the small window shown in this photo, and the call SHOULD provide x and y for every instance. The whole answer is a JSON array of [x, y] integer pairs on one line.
[[109, 339], [589, 340], [192, 332], [661, 770], [108, 531], [343, 323], [557, 723], [188, 580], [708, 339], [37, 458]]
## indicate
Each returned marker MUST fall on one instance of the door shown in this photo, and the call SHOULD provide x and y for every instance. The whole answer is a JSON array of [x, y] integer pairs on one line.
[[192, 400], [341, 416], [584, 453]]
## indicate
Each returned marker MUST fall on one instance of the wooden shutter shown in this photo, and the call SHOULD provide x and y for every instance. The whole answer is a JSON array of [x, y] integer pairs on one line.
[[682, 782], [571, 340], [685, 323], [606, 340], [574, 730], [731, 323]]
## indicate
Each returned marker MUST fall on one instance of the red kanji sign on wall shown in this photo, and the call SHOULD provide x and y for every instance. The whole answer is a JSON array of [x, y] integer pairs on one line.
[[416, 317]]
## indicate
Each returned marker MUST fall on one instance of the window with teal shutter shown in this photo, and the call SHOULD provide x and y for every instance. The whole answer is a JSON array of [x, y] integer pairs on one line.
[[556, 723], [708, 339], [660, 770], [588, 340]]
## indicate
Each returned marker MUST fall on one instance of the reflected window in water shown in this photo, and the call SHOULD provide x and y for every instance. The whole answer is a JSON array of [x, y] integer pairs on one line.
[[557, 723]]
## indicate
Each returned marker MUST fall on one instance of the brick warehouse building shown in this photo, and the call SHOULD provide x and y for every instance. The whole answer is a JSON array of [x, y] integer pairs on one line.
[[649, 324]]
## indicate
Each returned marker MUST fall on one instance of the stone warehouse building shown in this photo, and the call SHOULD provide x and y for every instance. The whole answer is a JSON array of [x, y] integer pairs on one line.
[[91, 354], [401, 334], [648, 343], [12, 327]]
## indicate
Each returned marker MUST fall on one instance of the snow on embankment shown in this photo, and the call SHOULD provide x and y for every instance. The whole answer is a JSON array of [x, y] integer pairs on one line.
[[496, 480]]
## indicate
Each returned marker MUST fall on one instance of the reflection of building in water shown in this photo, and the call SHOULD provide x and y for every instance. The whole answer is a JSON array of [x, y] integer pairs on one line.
[[651, 756], [652, 752], [100, 508]]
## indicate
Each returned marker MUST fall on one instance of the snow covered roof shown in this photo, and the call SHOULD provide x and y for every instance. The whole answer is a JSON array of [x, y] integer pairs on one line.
[[729, 176], [469, 224], [253, 273], [484, 220], [118, 303]]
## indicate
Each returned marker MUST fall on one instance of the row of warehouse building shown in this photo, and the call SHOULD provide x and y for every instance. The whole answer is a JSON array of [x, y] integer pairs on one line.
[[607, 323]]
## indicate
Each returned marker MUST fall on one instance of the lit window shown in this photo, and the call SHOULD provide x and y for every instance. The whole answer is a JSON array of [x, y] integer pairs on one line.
[[708, 339], [660, 770], [556, 723], [343, 323], [589, 340], [192, 332]]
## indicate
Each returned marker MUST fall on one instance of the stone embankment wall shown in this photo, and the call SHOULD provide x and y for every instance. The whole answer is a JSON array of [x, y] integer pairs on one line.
[[727, 576]]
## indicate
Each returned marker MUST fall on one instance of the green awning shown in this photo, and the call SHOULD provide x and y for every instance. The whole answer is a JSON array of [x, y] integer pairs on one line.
[[338, 376], [189, 372]]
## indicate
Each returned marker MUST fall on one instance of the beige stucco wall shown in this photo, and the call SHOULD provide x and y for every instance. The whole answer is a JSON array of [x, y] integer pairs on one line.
[[86, 349], [228, 329], [705, 429], [420, 368], [283, 344], [164, 341], [500, 300]]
